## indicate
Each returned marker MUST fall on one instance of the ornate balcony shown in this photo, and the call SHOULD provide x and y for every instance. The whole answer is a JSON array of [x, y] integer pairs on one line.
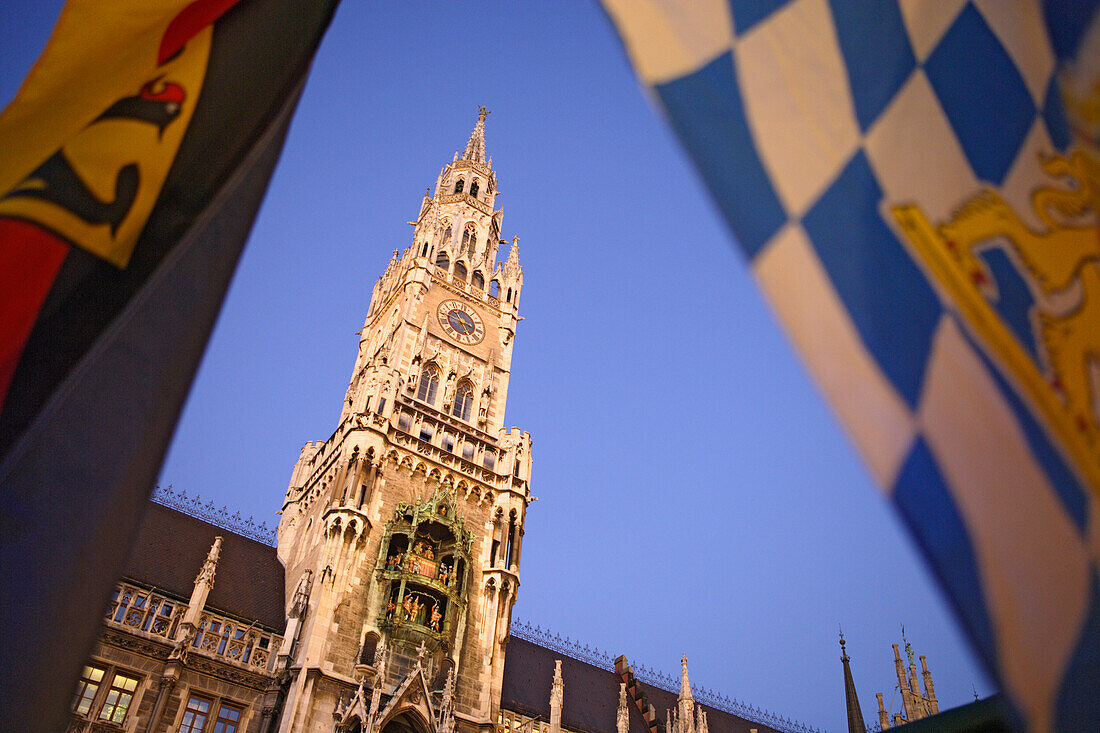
[[148, 613]]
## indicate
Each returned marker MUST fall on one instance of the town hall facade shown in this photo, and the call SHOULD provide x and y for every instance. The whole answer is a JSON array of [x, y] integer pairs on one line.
[[385, 604]]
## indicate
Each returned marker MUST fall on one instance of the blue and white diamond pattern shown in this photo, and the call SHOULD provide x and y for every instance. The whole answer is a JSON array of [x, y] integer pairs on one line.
[[808, 119]]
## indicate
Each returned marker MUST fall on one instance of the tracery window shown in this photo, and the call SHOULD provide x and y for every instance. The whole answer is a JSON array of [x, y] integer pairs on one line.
[[464, 401], [473, 189], [429, 385], [458, 185]]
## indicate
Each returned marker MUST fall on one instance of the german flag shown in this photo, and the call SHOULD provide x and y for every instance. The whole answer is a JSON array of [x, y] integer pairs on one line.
[[135, 157]]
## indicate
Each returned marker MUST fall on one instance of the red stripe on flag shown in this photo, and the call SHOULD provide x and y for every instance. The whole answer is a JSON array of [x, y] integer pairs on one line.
[[190, 21], [29, 260]]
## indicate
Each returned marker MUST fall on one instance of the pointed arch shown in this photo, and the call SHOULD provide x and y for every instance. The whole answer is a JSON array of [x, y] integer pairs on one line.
[[429, 384], [474, 188], [469, 238], [459, 184], [460, 271], [464, 401], [442, 260], [478, 280]]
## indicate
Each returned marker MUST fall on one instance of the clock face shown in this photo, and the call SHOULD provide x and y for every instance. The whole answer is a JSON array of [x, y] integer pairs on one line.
[[460, 322]]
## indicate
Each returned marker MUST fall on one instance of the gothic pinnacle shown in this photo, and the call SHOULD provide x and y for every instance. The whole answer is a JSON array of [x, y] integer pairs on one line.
[[685, 683], [475, 148]]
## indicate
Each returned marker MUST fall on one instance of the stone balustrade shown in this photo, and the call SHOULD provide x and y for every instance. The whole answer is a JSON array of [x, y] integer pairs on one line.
[[143, 610]]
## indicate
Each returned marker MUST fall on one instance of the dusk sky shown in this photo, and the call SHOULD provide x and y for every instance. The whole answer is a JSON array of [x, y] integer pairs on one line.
[[695, 496]]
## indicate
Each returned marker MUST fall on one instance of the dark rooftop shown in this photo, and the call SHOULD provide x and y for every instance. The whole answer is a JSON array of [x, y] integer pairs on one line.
[[170, 549], [592, 694]]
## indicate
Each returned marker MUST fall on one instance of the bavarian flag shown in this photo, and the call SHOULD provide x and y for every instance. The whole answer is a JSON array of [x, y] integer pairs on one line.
[[132, 163], [917, 189]]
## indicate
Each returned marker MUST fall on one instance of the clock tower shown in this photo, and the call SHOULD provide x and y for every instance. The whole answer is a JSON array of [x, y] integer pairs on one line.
[[401, 533]]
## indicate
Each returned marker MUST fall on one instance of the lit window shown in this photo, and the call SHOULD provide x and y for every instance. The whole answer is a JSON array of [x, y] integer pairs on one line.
[[119, 697], [229, 717], [194, 717], [429, 385], [464, 400], [86, 689]]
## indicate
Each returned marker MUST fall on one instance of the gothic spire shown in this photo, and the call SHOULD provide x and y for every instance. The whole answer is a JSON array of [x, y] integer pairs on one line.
[[475, 148], [851, 700], [685, 683]]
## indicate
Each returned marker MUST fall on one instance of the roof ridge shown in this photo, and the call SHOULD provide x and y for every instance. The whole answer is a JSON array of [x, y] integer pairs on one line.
[[656, 678], [213, 514]]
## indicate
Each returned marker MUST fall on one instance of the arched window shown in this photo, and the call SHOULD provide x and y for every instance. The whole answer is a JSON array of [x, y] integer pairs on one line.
[[464, 402], [460, 271], [468, 238], [473, 189], [494, 289], [424, 250], [447, 235], [458, 185], [442, 260], [429, 384], [479, 280], [509, 298]]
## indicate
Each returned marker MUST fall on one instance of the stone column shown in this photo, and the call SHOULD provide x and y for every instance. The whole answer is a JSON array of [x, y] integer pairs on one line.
[[164, 689]]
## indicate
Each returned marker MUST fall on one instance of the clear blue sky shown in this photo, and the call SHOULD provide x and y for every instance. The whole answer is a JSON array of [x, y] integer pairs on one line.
[[695, 495]]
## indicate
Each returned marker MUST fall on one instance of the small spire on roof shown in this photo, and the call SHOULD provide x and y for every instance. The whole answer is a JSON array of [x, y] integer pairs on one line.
[[685, 683], [851, 700]]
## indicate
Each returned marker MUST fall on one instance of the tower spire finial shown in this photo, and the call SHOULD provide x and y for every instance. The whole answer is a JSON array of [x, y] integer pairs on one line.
[[851, 700], [475, 147]]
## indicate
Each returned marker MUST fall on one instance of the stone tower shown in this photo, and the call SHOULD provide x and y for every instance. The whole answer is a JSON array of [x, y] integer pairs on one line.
[[401, 533]]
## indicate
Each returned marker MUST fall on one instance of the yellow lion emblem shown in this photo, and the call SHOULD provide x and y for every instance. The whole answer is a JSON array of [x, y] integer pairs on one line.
[[1061, 262]]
